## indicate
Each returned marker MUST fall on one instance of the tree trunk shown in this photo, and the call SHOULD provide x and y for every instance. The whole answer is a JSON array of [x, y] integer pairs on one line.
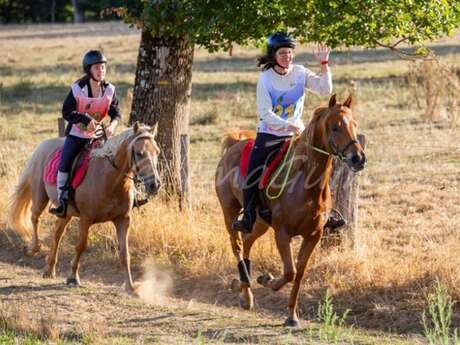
[[162, 90], [53, 11], [77, 15]]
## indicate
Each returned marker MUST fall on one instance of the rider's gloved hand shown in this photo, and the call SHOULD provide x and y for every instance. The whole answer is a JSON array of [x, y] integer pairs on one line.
[[92, 126]]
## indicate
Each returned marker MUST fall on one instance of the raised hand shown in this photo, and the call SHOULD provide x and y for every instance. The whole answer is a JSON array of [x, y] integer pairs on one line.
[[321, 53]]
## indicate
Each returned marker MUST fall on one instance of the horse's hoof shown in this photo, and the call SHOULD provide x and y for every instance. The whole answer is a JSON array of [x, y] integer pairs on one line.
[[264, 279], [48, 274], [235, 286], [291, 323], [133, 290], [246, 300], [72, 282]]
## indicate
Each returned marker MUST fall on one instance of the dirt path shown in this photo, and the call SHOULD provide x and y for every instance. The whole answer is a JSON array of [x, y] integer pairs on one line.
[[109, 312], [101, 312]]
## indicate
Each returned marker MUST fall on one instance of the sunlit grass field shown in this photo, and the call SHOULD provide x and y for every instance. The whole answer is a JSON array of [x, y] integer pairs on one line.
[[409, 207]]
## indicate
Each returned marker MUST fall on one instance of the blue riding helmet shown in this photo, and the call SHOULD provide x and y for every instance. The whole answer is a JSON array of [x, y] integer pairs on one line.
[[279, 40]]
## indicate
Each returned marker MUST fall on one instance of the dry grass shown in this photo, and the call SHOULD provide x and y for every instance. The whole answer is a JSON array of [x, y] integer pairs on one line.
[[440, 86], [409, 209], [21, 322]]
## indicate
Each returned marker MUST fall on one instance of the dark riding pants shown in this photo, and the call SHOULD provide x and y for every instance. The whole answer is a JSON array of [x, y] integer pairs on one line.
[[72, 146], [265, 148]]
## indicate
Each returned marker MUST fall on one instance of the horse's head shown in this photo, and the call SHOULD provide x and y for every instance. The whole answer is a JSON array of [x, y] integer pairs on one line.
[[340, 133], [144, 152]]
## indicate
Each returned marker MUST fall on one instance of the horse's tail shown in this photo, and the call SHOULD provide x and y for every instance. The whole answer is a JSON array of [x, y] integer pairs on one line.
[[20, 201], [234, 136]]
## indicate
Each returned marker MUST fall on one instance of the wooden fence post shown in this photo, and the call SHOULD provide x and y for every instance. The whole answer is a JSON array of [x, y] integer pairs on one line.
[[345, 195], [61, 127], [184, 199]]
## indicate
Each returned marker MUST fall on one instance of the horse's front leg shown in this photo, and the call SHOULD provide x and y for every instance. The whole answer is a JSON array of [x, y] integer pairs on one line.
[[122, 226], [283, 242], [308, 245], [74, 278]]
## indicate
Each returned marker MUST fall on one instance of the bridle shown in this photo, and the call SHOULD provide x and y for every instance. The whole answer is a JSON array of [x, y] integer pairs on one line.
[[336, 152], [137, 177], [340, 153]]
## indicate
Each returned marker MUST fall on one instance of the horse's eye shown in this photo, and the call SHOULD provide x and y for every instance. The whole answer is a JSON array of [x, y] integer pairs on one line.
[[335, 128]]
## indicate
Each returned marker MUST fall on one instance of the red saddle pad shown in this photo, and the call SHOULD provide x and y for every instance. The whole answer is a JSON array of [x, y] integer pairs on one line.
[[268, 170], [51, 168]]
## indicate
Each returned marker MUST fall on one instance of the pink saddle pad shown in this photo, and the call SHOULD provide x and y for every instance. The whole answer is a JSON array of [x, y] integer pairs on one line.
[[51, 169]]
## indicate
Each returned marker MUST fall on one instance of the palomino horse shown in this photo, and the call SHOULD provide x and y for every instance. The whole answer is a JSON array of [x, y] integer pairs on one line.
[[301, 209], [106, 194]]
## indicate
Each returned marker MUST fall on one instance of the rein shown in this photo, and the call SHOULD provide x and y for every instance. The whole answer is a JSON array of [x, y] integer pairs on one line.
[[278, 172], [340, 154], [136, 177]]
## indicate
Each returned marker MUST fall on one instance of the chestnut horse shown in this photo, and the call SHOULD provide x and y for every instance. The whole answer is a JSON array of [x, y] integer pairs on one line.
[[302, 209], [106, 194]]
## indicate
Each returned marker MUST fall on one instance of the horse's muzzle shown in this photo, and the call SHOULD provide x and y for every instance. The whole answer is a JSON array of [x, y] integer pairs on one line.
[[357, 161], [153, 187]]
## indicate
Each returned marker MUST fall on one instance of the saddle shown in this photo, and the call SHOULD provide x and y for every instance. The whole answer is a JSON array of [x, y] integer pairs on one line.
[[271, 165], [79, 166], [77, 173]]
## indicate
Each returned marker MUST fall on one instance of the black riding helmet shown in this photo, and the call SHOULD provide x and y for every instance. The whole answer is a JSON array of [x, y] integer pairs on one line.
[[279, 40], [92, 57]]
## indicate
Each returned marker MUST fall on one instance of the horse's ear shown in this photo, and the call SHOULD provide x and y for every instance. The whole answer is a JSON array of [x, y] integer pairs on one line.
[[136, 127], [154, 130], [348, 102], [332, 101]]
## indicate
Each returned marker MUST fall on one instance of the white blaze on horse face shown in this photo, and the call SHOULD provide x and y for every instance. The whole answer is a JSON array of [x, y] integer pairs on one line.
[[346, 121], [150, 162]]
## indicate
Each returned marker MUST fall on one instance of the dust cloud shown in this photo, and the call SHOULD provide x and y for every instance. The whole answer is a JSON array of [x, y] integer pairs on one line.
[[156, 284]]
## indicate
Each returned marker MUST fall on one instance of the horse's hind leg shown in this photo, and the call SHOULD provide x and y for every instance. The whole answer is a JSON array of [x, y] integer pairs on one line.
[[39, 202], [243, 285], [74, 278], [59, 229]]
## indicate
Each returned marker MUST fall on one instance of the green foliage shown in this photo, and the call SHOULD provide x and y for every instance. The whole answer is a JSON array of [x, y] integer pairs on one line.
[[331, 322], [326, 313], [24, 11], [38, 11], [216, 24], [437, 324]]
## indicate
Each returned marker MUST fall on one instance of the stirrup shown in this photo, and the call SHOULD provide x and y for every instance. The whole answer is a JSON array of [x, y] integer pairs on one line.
[[140, 202], [240, 225], [336, 221]]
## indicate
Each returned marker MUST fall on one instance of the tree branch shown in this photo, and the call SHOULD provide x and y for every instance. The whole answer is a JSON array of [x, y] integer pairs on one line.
[[403, 54]]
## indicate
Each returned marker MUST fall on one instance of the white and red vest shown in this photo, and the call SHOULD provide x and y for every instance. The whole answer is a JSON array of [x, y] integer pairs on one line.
[[96, 107]]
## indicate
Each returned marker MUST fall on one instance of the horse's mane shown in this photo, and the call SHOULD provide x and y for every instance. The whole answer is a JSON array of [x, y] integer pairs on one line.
[[310, 130], [112, 145]]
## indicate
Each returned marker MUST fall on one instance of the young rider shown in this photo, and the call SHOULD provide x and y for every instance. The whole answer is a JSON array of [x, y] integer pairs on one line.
[[280, 99], [90, 99]]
